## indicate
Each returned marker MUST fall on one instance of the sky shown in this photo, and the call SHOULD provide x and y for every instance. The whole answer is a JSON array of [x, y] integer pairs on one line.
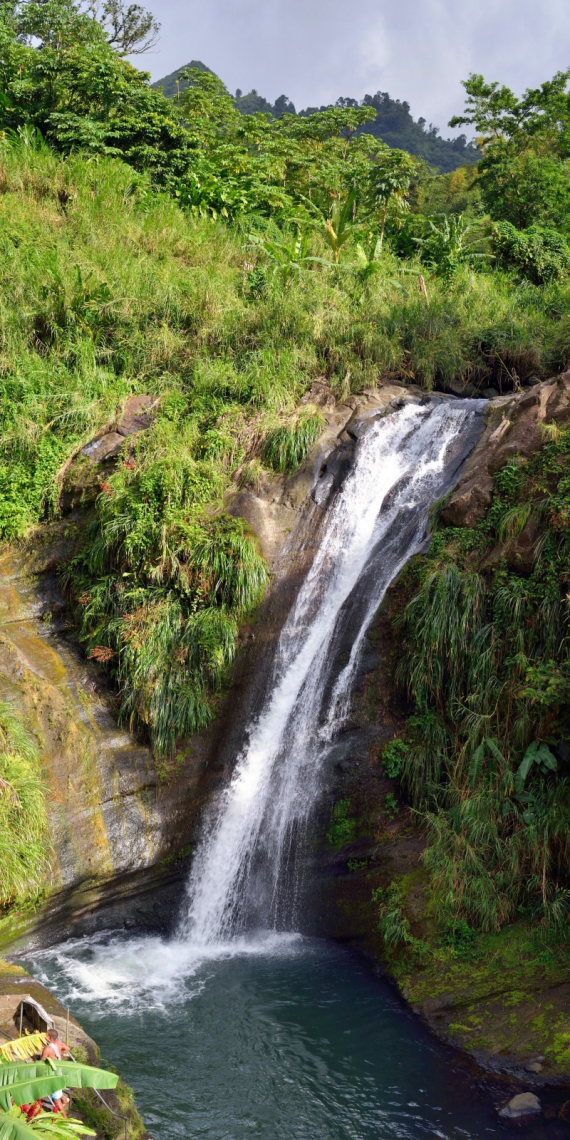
[[315, 50]]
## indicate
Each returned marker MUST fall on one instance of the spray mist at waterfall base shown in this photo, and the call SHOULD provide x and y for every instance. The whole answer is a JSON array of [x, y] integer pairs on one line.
[[228, 1031]]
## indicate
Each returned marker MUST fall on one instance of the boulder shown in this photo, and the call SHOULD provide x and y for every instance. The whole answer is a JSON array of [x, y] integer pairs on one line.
[[522, 1105], [514, 431], [106, 447], [138, 414]]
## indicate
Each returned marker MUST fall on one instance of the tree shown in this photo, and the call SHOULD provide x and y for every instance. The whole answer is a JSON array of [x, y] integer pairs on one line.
[[524, 174], [283, 106], [129, 28], [390, 181], [78, 92], [541, 114]]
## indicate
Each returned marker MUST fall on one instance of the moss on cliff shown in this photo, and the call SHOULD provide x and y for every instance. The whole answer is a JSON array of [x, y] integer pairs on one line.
[[503, 996]]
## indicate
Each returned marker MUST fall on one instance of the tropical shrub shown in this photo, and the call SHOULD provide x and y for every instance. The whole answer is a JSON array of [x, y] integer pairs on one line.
[[487, 664], [540, 254]]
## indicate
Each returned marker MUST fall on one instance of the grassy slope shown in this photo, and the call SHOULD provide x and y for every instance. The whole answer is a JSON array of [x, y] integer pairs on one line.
[[108, 289]]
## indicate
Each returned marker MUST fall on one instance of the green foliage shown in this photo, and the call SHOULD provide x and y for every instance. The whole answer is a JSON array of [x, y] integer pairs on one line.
[[524, 175], [541, 255], [160, 595], [24, 1082], [450, 243], [393, 758], [394, 924], [342, 827], [24, 844], [393, 124], [391, 805], [287, 446], [14, 1126], [68, 82], [487, 664], [459, 937]]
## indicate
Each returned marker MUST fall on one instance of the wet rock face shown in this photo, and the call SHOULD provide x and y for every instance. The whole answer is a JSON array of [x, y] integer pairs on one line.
[[122, 826], [119, 827], [114, 819], [278, 507], [514, 428]]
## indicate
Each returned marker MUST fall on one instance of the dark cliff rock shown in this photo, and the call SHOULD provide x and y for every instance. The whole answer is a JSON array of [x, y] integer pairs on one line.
[[514, 429], [122, 824], [509, 1005]]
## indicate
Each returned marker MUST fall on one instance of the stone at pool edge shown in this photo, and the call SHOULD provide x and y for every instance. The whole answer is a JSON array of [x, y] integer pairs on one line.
[[523, 1105], [534, 1067]]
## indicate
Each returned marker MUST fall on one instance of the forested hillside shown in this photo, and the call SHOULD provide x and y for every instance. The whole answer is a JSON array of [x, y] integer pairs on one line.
[[393, 124], [223, 263]]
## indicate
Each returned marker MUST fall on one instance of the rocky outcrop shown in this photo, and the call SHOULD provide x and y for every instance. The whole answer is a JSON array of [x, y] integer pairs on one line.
[[514, 430], [274, 509], [508, 1006], [521, 1107], [118, 820], [123, 824]]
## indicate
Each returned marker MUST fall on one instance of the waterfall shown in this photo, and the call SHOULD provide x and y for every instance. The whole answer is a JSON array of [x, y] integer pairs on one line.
[[403, 462]]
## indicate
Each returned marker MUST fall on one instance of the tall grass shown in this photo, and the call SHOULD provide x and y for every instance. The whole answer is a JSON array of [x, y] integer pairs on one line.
[[24, 841], [486, 662], [287, 446], [107, 288]]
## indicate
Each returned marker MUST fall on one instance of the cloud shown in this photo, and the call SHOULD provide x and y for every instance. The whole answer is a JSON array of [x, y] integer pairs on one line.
[[316, 50]]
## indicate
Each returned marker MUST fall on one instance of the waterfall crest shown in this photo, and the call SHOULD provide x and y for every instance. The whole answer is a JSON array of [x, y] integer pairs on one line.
[[242, 869]]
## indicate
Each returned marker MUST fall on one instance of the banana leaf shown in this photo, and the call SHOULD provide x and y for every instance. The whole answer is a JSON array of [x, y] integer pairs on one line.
[[14, 1126], [77, 1076], [23, 1047], [22, 1083]]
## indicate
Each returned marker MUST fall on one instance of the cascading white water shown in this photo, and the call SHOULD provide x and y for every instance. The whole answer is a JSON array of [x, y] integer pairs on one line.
[[403, 463]]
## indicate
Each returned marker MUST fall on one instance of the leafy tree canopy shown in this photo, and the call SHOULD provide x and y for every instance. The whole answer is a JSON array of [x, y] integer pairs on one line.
[[59, 74], [525, 170], [393, 122]]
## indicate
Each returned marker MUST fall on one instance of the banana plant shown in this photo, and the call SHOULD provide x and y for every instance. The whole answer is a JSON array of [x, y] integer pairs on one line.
[[340, 226], [22, 1083], [46, 1126], [289, 250]]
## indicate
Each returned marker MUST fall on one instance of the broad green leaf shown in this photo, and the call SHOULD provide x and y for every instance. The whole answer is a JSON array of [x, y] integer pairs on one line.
[[22, 1083], [20, 1088], [79, 1076], [14, 1126], [523, 770]]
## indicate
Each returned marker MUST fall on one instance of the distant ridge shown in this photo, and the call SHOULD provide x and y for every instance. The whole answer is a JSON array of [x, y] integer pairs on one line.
[[394, 124], [172, 84]]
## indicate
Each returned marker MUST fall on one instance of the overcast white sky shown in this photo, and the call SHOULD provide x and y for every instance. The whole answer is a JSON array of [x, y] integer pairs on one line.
[[315, 50]]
